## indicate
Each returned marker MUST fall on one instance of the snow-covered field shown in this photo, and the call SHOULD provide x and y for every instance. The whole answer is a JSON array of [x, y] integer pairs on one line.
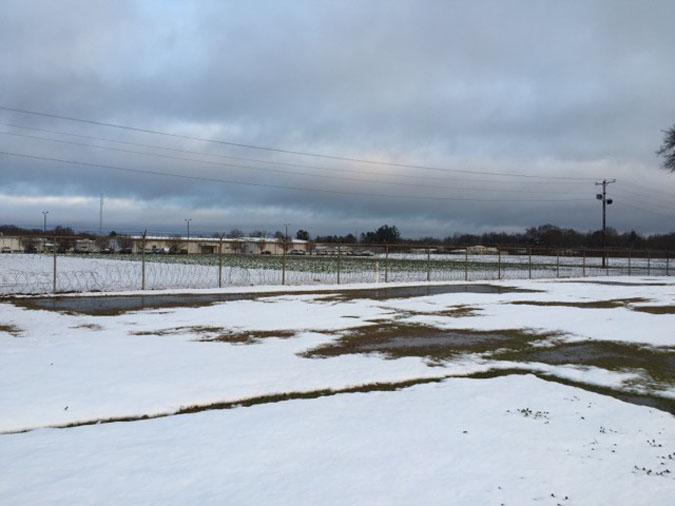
[[516, 397]]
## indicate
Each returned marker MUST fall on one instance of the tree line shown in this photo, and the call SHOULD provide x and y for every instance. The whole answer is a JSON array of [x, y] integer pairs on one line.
[[543, 236]]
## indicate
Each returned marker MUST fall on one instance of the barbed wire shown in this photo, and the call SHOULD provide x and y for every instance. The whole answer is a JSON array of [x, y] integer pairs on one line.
[[33, 273]]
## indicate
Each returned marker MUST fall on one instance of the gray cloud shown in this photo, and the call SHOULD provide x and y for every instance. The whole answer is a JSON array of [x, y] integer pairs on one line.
[[574, 89]]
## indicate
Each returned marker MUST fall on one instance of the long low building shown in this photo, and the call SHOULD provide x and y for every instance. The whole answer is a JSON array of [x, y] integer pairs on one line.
[[158, 245], [211, 245]]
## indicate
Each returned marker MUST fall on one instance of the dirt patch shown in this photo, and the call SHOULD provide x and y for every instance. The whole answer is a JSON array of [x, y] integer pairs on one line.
[[658, 364], [597, 304], [436, 345], [12, 330], [89, 326], [460, 311], [221, 334], [655, 309], [249, 337]]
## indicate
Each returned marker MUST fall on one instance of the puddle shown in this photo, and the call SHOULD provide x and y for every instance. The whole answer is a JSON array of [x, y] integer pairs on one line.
[[114, 305], [433, 344], [117, 304], [596, 304], [405, 292]]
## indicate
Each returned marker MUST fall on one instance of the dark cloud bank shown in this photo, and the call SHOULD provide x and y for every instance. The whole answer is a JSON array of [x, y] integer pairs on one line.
[[546, 89]]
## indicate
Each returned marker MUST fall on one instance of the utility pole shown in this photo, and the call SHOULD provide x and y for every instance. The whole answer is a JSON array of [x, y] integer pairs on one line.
[[44, 223], [188, 220], [100, 218], [605, 202]]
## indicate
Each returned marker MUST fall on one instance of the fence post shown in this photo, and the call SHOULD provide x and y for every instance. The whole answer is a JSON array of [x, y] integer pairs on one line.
[[649, 261], [143, 262], [499, 263], [466, 263], [283, 263], [630, 255], [583, 263], [557, 264], [529, 264], [667, 264], [605, 255], [220, 262], [54, 270], [428, 263], [386, 263], [339, 254]]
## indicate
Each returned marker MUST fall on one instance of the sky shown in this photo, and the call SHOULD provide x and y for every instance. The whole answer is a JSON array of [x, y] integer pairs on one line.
[[336, 117]]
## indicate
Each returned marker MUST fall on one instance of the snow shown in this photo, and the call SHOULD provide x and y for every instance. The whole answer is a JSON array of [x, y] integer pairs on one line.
[[381, 447], [512, 440]]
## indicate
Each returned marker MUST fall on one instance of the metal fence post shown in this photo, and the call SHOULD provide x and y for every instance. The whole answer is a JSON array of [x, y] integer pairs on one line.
[[428, 264], [283, 264], [529, 264], [386, 263], [220, 262], [649, 261], [557, 264], [499, 263], [583, 263], [54, 270], [466, 263], [667, 264], [143, 262], [339, 254], [630, 255]]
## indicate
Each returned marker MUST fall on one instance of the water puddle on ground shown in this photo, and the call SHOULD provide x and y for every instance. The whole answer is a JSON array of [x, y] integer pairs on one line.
[[433, 344], [112, 305]]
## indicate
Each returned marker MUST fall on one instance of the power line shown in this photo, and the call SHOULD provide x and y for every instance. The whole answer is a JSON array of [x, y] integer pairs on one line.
[[278, 171], [287, 151], [271, 162], [648, 211], [266, 185]]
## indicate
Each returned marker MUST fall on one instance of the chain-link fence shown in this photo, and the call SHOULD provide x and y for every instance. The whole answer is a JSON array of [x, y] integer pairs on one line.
[[35, 265]]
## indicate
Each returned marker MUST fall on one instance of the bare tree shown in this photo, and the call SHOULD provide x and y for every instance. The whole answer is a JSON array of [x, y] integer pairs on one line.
[[667, 150]]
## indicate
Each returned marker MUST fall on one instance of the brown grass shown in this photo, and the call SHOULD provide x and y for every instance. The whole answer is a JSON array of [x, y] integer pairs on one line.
[[221, 334], [12, 330], [597, 304], [655, 309], [398, 340], [90, 326]]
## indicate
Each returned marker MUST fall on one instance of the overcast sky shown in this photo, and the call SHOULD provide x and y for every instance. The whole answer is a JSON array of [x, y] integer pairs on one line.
[[495, 115]]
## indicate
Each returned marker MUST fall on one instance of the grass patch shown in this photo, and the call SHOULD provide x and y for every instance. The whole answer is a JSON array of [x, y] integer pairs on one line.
[[597, 304], [220, 334], [89, 326], [658, 364], [12, 330], [655, 309], [436, 345]]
